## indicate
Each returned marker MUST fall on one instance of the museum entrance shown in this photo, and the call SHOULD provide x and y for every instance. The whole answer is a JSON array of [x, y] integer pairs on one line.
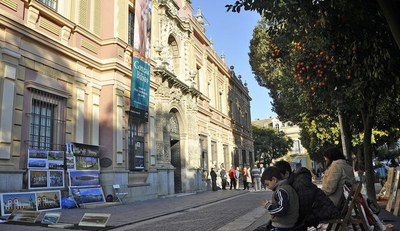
[[175, 151]]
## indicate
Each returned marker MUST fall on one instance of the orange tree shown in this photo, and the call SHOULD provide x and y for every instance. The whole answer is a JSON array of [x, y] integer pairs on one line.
[[323, 57]]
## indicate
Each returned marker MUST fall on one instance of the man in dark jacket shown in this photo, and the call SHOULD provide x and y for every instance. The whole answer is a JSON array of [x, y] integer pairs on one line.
[[314, 205], [213, 180]]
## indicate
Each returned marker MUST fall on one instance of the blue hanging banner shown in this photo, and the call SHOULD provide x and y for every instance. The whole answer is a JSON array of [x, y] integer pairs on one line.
[[140, 89]]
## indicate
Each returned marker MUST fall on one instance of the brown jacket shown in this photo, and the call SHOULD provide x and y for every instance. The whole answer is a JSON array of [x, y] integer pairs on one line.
[[335, 176]]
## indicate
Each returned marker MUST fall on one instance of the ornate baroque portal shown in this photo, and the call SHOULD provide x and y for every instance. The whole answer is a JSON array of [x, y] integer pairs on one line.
[[175, 151]]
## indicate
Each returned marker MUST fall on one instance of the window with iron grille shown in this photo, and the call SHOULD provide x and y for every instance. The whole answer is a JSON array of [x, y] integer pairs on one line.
[[135, 144], [131, 26], [47, 121], [52, 4]]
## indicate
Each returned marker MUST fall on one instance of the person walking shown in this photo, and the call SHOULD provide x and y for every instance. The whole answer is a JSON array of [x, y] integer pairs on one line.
[[255, 172], [223, 178], [244, 179], [237, 175], [213, 180], [338, 172], [261, 172], [232, 176], [249, 177]]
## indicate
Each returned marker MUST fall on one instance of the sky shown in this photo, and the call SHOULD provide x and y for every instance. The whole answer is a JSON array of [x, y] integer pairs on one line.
[[231, 34]]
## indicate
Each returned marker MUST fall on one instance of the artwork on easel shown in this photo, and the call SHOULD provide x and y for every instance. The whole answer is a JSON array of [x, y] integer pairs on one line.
[[48, 200], [389, 182], [396, 193], [392, 196], [21, 201]]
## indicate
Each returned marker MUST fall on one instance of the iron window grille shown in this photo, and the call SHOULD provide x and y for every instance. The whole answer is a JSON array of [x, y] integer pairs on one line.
[[135, 144], [131, 27], [52, 4], [47, 121]]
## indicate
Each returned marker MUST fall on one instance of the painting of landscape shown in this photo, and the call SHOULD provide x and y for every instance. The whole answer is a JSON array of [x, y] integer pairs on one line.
[[94, 219], [88, 195], [25, 201], [23, 216], [37, 158], [51, 218], [56, 159], [84, 178], [87, 163]]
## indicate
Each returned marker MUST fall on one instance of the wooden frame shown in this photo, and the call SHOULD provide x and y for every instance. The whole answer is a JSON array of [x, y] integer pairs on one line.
[[347, 217]]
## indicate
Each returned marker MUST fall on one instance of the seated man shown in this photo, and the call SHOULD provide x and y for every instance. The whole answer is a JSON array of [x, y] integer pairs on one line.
[[314, 205]]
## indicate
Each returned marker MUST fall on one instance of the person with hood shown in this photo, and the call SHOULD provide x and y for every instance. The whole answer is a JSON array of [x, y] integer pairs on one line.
[[337, 173], [314, 205]]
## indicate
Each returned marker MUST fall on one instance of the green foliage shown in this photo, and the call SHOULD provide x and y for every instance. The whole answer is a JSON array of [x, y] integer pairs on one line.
[[270, 144]]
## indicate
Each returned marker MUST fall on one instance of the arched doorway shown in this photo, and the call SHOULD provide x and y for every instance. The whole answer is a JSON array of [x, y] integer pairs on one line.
[[175, 151]]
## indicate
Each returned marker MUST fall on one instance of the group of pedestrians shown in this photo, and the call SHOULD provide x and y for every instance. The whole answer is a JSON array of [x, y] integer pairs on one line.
[[248, 176]]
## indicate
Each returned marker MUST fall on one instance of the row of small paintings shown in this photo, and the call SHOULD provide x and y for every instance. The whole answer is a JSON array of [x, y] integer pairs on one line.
[[45, 159], [48, 200], [30, 201], [42, 179], [50, 218], [39, 159]]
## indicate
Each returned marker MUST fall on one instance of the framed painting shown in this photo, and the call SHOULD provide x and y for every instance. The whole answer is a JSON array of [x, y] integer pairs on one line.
[[21, 201], [37, 158], [23, 216], [94, 219], [88, 195], [56, 159], [48, 200], [70, 160], [51, 218], [87, 163], [37, 179], [84, 178], [56, 179]]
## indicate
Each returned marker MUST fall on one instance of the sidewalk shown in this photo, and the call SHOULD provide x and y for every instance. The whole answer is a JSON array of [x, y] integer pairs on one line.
[[123, 214]]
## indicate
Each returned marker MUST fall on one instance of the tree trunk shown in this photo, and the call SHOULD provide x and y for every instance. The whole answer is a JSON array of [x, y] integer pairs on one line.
[[345, 135], [368, 121]]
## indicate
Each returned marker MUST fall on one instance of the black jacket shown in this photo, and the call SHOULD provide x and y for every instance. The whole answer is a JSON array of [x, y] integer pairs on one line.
[[314, 205], [213, 175]]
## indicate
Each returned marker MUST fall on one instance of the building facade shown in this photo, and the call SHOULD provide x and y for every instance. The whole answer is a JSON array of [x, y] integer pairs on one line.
[[66, 75], [297, 156]]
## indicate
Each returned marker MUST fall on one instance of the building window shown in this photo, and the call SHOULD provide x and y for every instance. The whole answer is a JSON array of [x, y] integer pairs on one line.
[[131, 27], [47, 121], [52, 4], [136, 144]]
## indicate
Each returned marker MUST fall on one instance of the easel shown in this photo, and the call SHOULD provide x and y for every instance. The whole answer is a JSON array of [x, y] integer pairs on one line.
[[394, 193], [389, 182]]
